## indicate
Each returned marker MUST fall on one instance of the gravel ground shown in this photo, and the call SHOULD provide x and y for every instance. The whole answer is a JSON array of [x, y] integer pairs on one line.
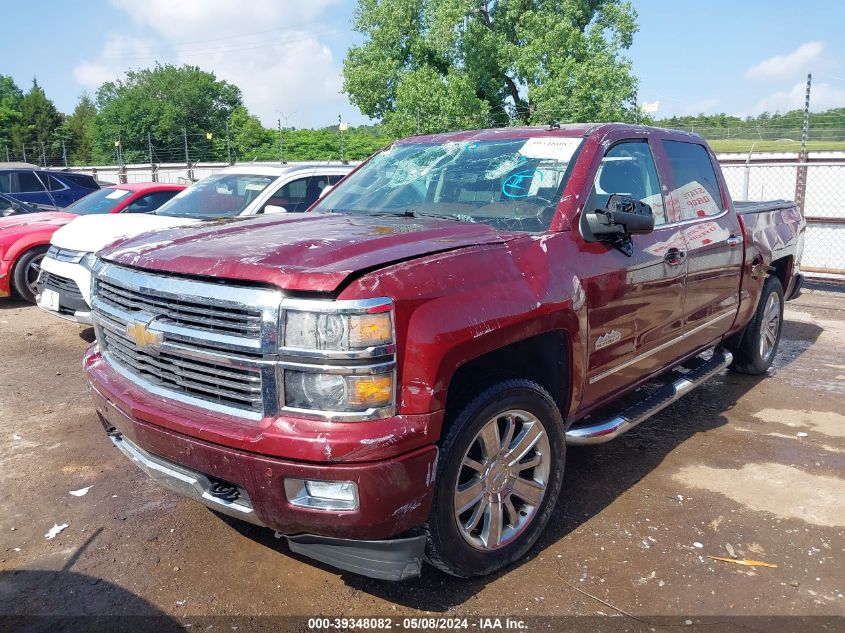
[[749, 465]]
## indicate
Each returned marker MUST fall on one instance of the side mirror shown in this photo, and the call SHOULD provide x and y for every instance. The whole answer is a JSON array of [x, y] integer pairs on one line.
[[621, 218], [325, 190], [274, 208]]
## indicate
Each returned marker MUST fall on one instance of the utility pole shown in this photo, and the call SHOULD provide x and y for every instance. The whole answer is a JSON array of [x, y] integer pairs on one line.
[[228, 145], [23, 147], [418, 120], [341, 128], [801, 175], [43, 155], [185, 137], [7, 152], [281, 159], [121, 172], [64, 153], [153, 168]]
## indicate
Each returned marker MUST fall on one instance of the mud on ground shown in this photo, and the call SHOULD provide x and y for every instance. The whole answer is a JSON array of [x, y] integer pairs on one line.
[[755, 465]]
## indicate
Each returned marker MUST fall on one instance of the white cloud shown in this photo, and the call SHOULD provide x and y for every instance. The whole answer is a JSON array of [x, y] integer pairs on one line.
[[202, 20], [275, 50], [822, 97], [118, 55], [789, 65]]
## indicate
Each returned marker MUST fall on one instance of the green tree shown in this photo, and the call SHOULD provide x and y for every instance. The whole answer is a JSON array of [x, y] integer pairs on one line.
[[441, 64], [161, 102], [10, 114], [78, 132], [39, 120], [248, 138]]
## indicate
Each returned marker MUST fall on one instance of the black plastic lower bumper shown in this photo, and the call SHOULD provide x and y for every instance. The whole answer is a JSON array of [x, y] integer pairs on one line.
[[391, 559], [394, 559], [70, 297]]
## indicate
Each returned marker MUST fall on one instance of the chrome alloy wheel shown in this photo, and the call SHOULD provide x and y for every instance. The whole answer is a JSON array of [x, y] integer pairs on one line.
[[770, 327], [32, 271], [502, 480]]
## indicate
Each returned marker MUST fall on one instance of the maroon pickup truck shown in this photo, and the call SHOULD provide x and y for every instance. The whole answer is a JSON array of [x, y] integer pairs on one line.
[[395, 375]]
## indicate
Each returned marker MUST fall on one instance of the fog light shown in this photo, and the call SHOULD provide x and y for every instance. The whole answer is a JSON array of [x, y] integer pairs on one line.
[[322, 495]]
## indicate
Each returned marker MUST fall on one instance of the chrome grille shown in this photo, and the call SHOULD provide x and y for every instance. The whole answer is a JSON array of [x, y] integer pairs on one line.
[[64, 254], [182, 311], [236, 387], [201, 342]]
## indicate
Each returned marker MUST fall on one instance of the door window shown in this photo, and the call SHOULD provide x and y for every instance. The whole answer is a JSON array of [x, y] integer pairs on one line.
[[628, 168], [149, 202], [696, 193], [297, 195], [6, 182], [28, 182]]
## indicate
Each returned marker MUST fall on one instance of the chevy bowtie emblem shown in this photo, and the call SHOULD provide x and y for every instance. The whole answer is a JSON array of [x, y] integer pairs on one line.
[[142, 336]]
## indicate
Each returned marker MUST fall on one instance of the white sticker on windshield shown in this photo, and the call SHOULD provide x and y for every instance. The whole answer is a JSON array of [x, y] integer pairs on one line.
[[117, 194], [552, 148]]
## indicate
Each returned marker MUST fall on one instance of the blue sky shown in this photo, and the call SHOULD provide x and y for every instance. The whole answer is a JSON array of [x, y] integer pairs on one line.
[[740, 57]]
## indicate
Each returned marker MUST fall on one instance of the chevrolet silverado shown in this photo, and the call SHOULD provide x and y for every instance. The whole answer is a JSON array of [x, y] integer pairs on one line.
[[394, 376]]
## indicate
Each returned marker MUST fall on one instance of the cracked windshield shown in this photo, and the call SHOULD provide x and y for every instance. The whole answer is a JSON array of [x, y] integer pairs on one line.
[[512, 184]]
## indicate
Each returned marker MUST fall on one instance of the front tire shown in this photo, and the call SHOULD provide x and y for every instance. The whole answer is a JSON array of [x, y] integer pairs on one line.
[[755, 351], [498, 479], [25, 273]]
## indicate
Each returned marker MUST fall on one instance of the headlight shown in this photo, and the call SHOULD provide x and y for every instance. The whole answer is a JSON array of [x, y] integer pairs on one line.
[[88, 260], [338, 392], [338, 357], [337, 331]]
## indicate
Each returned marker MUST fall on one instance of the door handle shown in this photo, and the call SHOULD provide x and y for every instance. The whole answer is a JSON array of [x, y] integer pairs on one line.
[[675, 256], [734, 240]]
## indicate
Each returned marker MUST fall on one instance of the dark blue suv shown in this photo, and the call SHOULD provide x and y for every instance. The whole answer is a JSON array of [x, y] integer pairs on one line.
[[29, 183]]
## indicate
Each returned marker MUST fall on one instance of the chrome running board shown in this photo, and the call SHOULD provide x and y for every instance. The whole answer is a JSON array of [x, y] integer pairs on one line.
[[599, 431]]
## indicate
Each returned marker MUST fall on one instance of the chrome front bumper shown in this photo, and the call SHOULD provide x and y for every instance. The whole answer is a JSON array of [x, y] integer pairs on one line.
[[183, 481]]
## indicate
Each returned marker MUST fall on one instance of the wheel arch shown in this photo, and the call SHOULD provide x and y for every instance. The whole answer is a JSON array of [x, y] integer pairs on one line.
[[782, 269], [544, 358]]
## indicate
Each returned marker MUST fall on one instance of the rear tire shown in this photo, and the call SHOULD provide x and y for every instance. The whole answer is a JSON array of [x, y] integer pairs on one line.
[[498, 479], [755, 349], [25, 273]]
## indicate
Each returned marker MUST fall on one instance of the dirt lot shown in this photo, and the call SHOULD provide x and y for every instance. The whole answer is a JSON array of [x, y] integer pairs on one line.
[[753, 464]]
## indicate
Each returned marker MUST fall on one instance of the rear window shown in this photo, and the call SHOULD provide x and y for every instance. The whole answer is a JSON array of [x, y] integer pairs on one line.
[[696, 193], [81, 180]]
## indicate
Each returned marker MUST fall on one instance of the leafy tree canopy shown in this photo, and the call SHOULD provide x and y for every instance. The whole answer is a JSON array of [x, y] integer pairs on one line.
[[39, 118], [162, 101], [441, 64], [10, 109]]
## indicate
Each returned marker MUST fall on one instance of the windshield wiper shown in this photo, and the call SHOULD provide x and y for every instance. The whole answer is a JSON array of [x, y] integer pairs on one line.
[[413, 213]]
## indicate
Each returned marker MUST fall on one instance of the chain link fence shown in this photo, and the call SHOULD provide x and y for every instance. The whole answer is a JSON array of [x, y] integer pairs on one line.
[[818, 185]]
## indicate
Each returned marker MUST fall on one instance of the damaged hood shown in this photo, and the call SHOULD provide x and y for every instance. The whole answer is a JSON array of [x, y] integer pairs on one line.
[[303, 251], [90, 233]]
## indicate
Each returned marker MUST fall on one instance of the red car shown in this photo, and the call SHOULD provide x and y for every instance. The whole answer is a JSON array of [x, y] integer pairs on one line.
[[25, 236]]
